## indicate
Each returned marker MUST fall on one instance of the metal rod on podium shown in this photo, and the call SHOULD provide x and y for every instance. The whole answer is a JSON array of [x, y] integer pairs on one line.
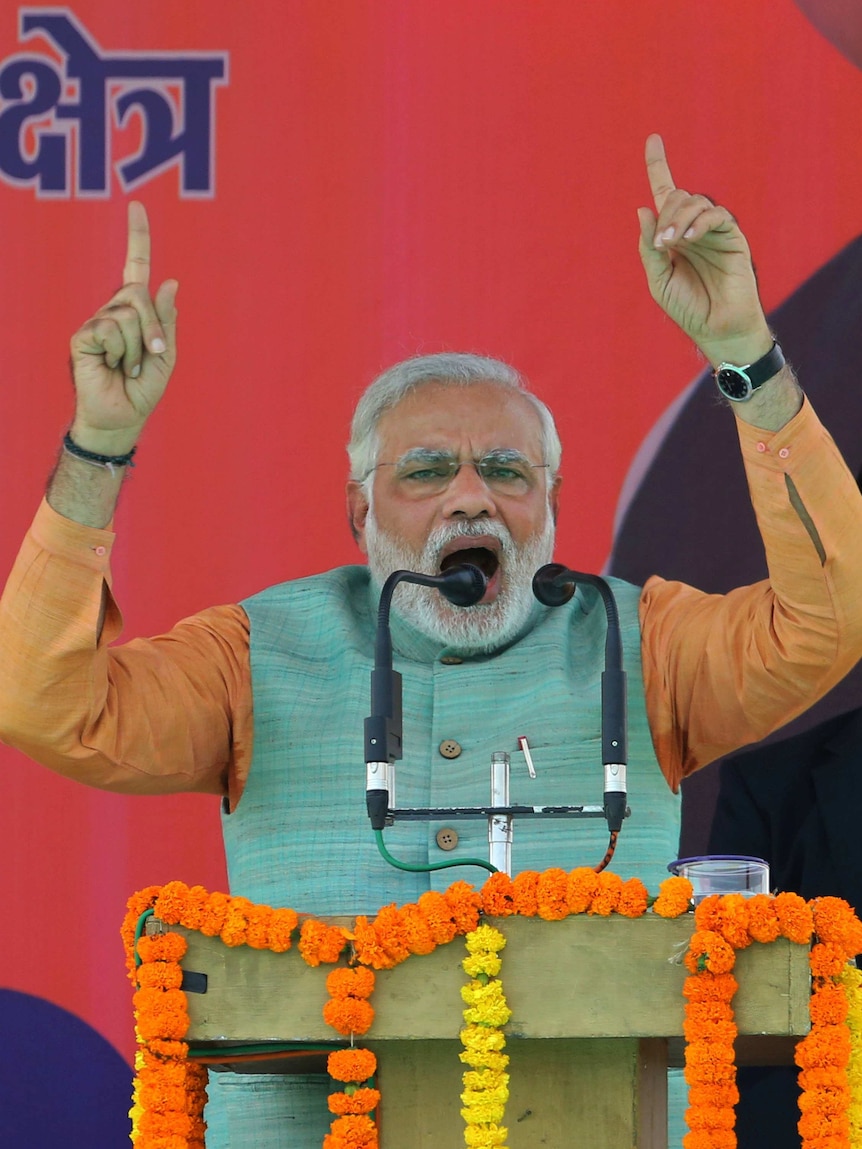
[[500, 825]]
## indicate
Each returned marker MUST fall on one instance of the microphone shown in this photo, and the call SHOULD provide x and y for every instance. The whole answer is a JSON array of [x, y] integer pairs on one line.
[[554, 585], [462, 585]]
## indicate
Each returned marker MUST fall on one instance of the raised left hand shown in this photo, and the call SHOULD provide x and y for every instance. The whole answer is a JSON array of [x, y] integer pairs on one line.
[[699, 269]]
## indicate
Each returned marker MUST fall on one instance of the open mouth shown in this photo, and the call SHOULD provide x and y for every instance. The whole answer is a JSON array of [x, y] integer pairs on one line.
[[483, 558]]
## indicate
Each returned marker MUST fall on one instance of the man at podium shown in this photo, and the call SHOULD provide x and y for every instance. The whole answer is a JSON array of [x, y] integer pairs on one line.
[[452, 459]]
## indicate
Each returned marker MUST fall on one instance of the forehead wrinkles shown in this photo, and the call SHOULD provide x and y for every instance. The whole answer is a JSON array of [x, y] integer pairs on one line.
[[473, 420]]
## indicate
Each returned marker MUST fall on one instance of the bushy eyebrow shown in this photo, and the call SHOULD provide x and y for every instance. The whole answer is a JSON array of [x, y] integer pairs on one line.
[[430, 455]]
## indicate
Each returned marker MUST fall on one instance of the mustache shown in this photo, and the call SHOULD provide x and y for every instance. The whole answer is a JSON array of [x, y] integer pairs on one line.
[[469, 529]]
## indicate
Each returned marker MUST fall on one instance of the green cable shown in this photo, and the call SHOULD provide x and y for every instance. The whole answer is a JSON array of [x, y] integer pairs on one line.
[[378, 835], [139, 930]]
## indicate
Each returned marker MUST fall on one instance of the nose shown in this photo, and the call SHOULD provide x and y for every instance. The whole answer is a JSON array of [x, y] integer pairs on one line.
[[468, 496]]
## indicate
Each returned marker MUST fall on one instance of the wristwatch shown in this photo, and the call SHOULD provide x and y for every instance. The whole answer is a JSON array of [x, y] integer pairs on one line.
[[740, 383]]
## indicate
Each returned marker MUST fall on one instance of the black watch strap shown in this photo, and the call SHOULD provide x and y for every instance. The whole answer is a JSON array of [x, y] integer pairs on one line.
[[740, 383]]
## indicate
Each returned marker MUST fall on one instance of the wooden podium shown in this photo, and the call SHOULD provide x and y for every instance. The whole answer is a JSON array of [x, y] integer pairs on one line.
[[597, 1013]]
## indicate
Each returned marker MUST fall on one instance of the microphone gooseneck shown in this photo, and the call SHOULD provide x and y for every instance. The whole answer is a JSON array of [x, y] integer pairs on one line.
[[554, 585], [463, 585]]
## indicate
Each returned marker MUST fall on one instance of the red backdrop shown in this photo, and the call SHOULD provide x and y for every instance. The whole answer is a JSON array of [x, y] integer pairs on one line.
[[391, 177]]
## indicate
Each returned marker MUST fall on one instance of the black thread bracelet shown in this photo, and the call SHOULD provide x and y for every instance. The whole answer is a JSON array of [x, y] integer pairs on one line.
[[109, 461]]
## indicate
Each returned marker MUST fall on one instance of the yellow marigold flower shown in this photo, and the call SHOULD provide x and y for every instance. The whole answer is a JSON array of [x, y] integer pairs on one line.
[[482, 1039], [485, 938], [485, 1137], [489, 964], [486, 1004], [487, 1059]]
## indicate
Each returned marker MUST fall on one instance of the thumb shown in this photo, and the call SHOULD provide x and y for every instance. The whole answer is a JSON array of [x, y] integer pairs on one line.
[[166, 310], [657, 262]]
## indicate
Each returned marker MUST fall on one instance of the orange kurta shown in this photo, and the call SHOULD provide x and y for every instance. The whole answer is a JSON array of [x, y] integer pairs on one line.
[[175, 712]]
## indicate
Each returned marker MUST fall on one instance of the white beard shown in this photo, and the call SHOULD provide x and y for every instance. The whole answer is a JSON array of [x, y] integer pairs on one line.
[[474, 629]]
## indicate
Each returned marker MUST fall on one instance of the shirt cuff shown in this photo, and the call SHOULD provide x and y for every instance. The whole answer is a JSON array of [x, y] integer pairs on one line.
[[87, 546], [778, 450]]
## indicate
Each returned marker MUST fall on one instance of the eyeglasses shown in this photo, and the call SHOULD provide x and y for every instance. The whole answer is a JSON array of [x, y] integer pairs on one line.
[[423, 472]]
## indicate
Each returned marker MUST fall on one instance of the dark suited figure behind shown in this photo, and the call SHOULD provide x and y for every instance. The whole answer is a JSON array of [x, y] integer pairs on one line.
[[795, 803]]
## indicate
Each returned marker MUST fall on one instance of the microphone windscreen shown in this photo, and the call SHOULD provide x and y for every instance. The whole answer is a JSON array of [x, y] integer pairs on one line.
[[553, 584], [462, 585]]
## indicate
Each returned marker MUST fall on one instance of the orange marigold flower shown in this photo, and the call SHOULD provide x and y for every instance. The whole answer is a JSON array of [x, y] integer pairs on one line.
[[525, 888], [319, 942], [161, 947], [835, 922], [551, 895], [417, 931], [581, 887], [709, 1012], [360, 1101], [164, 1047], [721, 1096], [829, 1005], [438, 915], [368, 946], [351, 1064], [165, 1125], [160, 975], [709, 951], [710, 1117], [350, 981], [701, 1053], [833, 1101], [234, 932], [826, 960], [352, 1132], [674, 897], [160, 1097], [634, 899], [498, 895], [171, 902], [194, 903], [282, 923], [392, 932], [213, 914], [709, 1139], [607, 898], [161, 1013], [816, 1124], [137, 904], [710, 987], [763, 924], [348, 1015], [795, 918], [464, 903], [709, 1071], [825, 1046], [714, 1032], [726, 915], [257, 932], [822, 1078]]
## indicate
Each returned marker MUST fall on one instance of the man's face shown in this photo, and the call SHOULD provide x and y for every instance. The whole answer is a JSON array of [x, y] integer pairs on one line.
[[504, 527]]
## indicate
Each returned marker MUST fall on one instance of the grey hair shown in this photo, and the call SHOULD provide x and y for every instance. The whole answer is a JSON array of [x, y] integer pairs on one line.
[[455, 368]]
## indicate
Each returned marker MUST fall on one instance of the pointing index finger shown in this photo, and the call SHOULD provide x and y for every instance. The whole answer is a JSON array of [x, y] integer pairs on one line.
[[660, 180], [137, 269]]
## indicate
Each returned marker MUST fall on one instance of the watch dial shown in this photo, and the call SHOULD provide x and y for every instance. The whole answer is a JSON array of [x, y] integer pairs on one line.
[[733, 384]]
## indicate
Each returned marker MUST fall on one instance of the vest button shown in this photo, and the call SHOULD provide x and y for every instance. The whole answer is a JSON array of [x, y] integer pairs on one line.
[[449, 748], [447, 838], [451, 660]]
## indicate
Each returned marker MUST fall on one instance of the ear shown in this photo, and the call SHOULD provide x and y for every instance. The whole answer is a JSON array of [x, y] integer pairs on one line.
[[357, 512], [554, 497]]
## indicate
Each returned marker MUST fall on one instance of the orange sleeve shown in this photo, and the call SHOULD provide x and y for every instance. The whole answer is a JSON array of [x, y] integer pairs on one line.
[[721, 671], [153, 716]]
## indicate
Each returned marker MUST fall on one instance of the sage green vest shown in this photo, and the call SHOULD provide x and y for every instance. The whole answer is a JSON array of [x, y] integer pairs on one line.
[[300, 835]]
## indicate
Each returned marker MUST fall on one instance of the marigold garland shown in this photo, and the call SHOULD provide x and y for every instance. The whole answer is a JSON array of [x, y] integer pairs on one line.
[[169, 1091], [486, 1083]]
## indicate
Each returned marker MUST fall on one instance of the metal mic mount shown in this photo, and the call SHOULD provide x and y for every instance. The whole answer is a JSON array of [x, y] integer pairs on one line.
[[554, 585]]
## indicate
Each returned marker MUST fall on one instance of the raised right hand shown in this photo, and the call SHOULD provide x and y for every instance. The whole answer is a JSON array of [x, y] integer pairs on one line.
[[123, 357]]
